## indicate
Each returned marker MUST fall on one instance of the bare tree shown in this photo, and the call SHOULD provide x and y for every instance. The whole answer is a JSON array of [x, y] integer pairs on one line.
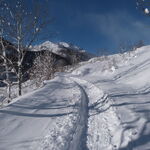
[[22, 25], [5, 63]]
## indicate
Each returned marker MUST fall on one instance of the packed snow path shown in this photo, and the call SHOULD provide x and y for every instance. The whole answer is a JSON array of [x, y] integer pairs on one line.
[[48, 119], [41, 120], [79, 137], [99, 128]]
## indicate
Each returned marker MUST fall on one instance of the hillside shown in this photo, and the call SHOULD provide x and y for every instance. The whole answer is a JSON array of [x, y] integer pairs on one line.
[[64, 54], [103, 104], [64, 50]]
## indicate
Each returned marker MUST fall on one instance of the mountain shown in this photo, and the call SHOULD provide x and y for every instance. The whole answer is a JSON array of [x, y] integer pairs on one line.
[[64, 50], [103, 104], [64, 54]]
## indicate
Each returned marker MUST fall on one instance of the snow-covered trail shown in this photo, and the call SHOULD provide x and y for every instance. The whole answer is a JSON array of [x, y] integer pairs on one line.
[[41, 120], [128, 92], [132, 108], [79, 137], [89, 109], [98, 129], [68, 113], [129, 88]]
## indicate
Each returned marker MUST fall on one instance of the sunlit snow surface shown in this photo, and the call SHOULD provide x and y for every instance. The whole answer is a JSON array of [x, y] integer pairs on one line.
[[104, 104]]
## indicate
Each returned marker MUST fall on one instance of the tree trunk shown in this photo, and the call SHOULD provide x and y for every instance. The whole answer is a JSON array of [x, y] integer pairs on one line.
[[6, 68], [19, 81], [9, 89]]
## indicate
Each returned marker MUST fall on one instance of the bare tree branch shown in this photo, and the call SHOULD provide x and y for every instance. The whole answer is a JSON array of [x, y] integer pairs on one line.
[[22, 26]]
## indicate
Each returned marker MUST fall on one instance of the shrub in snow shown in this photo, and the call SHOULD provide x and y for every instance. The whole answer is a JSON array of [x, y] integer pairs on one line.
[[44, 68]]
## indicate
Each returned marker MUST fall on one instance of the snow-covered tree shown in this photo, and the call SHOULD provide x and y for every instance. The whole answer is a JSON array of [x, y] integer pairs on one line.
[[22, 24], [43, 68]]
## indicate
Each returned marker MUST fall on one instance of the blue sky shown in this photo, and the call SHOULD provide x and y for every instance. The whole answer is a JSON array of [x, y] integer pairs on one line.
[[99, 24]]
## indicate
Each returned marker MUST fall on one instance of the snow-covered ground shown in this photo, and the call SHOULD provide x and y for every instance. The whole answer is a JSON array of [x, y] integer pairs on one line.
[[102, 105]]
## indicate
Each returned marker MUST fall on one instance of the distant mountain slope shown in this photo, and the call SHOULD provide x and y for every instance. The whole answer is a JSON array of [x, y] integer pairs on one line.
[[63, 53], [64, 50]]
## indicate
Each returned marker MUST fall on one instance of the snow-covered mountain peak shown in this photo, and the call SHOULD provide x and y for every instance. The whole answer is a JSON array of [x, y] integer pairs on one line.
[[48, 45], [68, 45], [64, 44], [62, 48]]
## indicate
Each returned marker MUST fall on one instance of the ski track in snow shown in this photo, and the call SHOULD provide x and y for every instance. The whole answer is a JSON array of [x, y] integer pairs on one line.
[[79, 137], [102, 120]]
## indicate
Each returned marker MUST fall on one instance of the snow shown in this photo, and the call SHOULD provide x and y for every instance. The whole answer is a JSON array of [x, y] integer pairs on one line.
[[103, 104], [35, 118], [64, 44], [146, 11], [60, 48], [69, 45], [53, 47], [37, 29], [46, 45]]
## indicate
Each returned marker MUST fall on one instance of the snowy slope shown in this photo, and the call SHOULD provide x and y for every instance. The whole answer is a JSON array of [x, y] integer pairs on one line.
[[125, 79], [40, 120], [102, 105]]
